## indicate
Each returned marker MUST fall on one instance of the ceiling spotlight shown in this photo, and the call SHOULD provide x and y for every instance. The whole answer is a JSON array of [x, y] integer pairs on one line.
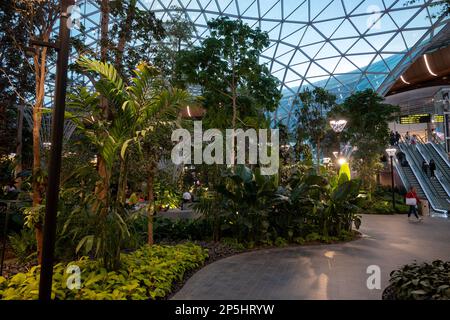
[[425, 57], [404, 81], [189, 112]]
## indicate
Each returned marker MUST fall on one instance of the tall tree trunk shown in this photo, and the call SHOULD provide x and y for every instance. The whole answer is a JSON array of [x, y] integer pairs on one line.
[[318, 156], [234, 94], [125, 35], [104, 43], [40, 60], [151, 201], [19, 148], [102, 188], [123, 181]]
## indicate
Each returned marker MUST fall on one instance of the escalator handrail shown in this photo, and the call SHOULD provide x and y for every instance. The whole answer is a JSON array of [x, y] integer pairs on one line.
[[443, 156], [401, 173], [418, 164], [439, 176], [433, 201], [426, 187]]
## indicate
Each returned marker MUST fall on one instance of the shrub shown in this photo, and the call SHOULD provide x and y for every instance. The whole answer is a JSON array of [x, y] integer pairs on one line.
[[233, 243], [148, 273], [313, 237], [175, 230], [420, 282], [281, 242], [23, 245], [381, 203]]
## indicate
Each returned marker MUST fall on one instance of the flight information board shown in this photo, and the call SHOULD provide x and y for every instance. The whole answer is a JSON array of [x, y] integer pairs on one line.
[[416, 118], [438, 119]]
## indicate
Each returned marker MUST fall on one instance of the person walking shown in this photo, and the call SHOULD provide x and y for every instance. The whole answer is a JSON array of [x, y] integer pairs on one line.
[[425, 168], [412, 200], [397, 138], [392, 138], [434, 136], [413, 140], [432, 169], [407, 137]]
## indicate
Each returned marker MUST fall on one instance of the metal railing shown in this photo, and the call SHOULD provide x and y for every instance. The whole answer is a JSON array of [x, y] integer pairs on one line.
[[441, 175], [401, 173], [440, 151], [424, 183]]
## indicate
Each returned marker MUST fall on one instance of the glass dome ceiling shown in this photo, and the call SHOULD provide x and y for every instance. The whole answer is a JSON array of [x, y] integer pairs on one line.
[[341, 45]]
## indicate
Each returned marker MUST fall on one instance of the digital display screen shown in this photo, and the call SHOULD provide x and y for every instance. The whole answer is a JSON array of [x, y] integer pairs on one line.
[[416, 118], [438, 119]]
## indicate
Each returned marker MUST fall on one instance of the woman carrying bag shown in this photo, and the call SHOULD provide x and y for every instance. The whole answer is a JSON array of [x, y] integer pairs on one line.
[[412, 200]]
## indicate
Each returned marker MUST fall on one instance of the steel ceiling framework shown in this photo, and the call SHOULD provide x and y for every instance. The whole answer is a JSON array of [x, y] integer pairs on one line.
[[341, 45]]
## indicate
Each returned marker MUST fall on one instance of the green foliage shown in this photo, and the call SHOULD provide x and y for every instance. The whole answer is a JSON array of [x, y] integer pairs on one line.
[[244, 200], [167, 195], [136, 107], [23, 245], [313, 107], [139, 108], [148, 273], [299, 240], [313, 237], [83, 230], [381, 202], [17, 79], [367, 130], [226, 66], [177, 230], [313, 204], [421, 282], [6, 171], [443, 5], [233, 243], [134, 24], [281, 242], [34, 216], [251, 208], [178, 31]]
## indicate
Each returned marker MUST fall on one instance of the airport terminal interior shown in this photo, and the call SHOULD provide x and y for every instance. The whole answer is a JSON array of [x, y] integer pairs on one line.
[[224, 150]]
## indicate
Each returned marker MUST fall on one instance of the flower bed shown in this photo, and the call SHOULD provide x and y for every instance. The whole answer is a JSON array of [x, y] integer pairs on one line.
[[148, 273]]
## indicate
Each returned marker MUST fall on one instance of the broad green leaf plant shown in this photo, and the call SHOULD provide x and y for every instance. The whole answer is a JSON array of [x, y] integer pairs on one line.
[[137, 108]]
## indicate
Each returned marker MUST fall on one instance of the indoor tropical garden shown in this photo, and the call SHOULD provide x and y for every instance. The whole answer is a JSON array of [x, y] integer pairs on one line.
[[130, 222]]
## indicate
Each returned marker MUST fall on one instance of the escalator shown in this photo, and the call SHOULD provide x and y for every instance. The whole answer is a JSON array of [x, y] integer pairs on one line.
[[412, 181], [431, 189], [429, 152]]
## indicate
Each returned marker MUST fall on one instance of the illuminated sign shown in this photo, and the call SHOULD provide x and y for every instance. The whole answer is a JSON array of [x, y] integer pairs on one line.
[[438, 119], [416, 119]]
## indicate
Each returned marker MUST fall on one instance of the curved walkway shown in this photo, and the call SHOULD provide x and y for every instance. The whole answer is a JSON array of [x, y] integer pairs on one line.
[[323, 272]]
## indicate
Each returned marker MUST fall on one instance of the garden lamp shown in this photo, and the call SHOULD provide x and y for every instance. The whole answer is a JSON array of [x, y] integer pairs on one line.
[[338, 125]]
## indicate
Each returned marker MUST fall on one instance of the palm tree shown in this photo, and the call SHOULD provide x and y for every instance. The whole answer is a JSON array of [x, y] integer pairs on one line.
[[139, 108]]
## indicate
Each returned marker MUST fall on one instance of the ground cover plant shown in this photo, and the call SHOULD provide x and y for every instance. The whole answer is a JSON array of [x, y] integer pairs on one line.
[[420, 281], [147, 273]]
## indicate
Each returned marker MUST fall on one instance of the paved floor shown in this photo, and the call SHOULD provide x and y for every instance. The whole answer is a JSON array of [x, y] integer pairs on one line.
[[323, 272]]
